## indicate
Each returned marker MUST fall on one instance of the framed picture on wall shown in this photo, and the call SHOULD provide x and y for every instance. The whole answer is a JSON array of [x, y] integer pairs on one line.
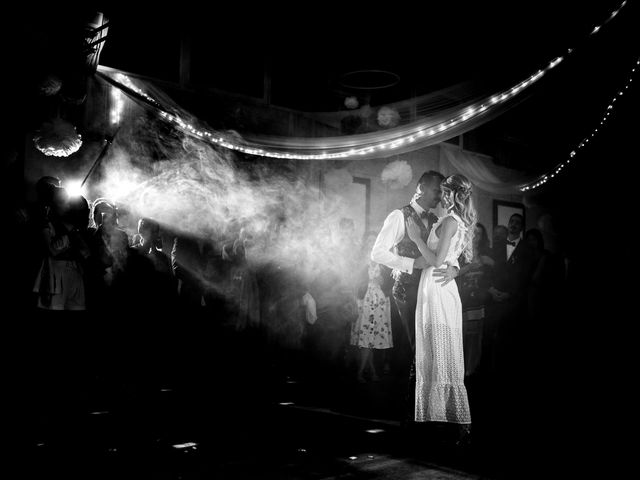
[[502, 211]]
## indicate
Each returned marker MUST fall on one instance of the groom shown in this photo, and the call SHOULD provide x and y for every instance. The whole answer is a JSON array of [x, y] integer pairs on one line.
[[395, 249]]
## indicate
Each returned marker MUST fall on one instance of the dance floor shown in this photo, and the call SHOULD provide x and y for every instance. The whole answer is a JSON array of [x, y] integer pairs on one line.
[[230, 414], [168, 434]]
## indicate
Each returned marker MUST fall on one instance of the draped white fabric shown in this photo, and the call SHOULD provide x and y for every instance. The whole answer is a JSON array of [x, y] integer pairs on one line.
[[476, 168], [443, 121]]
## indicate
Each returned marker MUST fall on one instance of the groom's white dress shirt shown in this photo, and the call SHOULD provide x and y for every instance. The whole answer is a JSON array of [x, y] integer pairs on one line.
[[384, 250]]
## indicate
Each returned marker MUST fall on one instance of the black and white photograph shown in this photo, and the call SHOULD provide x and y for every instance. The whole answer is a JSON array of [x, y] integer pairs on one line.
[[319, 241]]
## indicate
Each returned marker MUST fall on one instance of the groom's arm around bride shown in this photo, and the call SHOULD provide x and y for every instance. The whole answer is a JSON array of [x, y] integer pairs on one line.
[[384, 249], [383, 252]]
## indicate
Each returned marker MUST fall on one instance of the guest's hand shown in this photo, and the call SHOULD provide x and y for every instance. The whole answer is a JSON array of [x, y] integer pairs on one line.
[[470, 267], [478, 265], [108, 276], [445, 275], [413, 230], [504, 296], [497, 295], [485, 260]]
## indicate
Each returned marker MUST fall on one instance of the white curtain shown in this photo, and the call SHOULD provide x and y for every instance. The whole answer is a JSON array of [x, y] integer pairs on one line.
[[477, 168], [435, 121]]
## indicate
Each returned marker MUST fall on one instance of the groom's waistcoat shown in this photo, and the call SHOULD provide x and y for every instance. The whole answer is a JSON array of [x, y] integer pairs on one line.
[[406, 248]]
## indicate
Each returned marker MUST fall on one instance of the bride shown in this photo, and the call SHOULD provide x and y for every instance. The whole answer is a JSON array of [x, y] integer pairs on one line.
[[440, 392]]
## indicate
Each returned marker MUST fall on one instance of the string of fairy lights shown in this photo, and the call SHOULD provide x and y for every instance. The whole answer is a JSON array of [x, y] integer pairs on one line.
[[461, 117], [421, 132], [558, 168], [117, 101]]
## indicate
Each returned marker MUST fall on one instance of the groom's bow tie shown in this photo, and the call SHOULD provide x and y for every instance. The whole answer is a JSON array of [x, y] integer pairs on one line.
[[424, 215], [513, 244]]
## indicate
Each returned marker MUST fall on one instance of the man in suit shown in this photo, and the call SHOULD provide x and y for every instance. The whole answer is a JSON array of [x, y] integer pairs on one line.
[[512, 271], [394, 249], [511, 262]]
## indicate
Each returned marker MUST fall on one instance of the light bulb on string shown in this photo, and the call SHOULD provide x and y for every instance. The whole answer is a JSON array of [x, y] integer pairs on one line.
[[459, 117], [559, 168]]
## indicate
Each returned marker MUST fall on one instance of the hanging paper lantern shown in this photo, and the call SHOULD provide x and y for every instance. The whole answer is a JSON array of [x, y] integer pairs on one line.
[[397, 174], [57, 138], [50, 86], [388, 117], [351, 102]]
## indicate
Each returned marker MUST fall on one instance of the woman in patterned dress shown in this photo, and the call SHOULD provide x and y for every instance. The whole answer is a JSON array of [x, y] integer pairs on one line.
[[372, 330]]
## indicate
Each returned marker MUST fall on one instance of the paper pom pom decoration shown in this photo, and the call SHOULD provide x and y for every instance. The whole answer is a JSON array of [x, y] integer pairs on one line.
[[338, 179], [50, 86], [351, 102], [388, 117], [57, 138], [397, 174]]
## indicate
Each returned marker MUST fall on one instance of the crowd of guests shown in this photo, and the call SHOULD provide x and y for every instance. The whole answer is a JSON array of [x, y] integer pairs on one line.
[[95, 257], [305, 316], [512, 286], [138, 277]]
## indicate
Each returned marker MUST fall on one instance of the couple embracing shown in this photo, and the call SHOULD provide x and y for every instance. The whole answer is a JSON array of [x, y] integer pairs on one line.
[[423, 251]]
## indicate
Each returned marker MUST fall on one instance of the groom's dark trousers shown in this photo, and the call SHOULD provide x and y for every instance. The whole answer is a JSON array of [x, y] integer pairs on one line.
[[404, 335], [405, 293]]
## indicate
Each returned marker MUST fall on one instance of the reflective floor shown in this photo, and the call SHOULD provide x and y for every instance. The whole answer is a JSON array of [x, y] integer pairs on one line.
[[223, 406]]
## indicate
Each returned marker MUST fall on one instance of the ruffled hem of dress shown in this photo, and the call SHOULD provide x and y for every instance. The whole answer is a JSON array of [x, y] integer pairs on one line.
[[436, 395]]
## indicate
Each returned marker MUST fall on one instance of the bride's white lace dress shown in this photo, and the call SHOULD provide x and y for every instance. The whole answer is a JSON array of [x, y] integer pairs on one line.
[[440, 392]]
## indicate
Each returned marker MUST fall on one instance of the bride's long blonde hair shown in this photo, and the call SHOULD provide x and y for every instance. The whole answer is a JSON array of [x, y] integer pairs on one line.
[[463, 206]]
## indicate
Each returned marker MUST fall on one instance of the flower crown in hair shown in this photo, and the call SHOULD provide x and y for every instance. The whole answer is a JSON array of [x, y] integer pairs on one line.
[[465, 191]]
